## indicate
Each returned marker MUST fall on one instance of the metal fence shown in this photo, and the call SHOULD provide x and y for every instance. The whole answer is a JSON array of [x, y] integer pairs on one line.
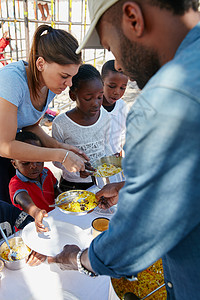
[[21, 17]]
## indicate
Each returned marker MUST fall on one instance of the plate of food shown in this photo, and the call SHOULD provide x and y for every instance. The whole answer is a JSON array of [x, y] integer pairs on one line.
[[52, 242], [149, 281], [76, 202]]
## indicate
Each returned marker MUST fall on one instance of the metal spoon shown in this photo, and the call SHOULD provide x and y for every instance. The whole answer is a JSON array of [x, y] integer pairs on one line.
[[12, 255], [67, 200]]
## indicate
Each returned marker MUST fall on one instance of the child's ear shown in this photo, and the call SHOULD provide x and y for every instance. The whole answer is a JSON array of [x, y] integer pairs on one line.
[[13, 163], [72, 95]]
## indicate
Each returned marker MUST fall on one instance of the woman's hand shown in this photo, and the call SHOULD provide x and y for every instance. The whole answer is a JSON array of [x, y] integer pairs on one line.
[[75, 150], [108, 195], [74, 163], [67, 258], [35, 259]]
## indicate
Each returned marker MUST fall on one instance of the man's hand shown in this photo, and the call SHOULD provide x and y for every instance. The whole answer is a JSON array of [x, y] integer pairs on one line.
[[108, 195], [35, 259], [67, 258]]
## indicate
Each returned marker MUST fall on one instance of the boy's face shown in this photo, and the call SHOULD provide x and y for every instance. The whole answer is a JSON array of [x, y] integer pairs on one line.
[[89, 97], [31, 170], [114, 87]]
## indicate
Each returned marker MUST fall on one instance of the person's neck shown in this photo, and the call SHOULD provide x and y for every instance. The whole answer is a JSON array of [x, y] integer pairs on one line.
[[81, 118], [168, 31], [38, 179], [41, 99], [105, 102], [110, 107], [35, 179]]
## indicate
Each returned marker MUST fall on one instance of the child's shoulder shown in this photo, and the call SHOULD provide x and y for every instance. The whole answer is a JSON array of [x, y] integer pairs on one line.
[[13, 179], [121, 107], [59, 117], [49, 172], [121, 103]]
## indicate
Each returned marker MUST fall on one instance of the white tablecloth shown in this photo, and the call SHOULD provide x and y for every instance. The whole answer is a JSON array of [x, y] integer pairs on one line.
[[48, 282], [112, 294]]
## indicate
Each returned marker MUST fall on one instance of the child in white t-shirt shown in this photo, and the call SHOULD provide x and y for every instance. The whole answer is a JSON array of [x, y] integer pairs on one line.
[[114, 88], [87, 126]]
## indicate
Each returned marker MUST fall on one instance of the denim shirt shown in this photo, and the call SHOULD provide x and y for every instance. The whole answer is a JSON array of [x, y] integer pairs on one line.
[[158, 211]]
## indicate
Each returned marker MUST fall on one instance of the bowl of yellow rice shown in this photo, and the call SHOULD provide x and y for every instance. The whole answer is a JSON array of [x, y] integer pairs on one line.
[[16, 244], [76, 202], [108, 170]]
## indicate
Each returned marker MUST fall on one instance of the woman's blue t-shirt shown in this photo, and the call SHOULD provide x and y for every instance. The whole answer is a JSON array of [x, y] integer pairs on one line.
[[14, 88]]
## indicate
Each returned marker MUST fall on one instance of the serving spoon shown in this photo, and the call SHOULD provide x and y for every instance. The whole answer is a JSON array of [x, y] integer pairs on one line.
[[12, 254], [67, 200]]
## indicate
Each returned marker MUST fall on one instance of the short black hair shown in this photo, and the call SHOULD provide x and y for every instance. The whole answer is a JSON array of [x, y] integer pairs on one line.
[[177, 7], [86, 72], [25, 136], [109, 66]]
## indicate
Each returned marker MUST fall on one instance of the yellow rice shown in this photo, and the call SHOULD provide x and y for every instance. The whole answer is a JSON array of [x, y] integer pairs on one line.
[[106, 170], [21, 249], [148, 281], [88, 202]]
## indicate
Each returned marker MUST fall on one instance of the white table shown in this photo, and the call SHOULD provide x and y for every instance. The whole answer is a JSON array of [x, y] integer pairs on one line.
[[48, 282]]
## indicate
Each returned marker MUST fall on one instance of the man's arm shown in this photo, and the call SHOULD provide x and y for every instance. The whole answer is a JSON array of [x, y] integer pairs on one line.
[[157, 207], [67, 259]]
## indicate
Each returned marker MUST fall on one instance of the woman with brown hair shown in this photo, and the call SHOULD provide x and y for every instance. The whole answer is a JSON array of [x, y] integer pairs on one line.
[[26, 89]]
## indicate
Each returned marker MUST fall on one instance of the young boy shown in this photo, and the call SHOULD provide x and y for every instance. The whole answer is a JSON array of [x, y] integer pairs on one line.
[[114, 88], [33, 187]]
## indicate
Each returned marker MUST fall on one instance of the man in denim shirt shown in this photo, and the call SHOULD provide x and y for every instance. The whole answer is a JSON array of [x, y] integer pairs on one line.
[[156, 43]]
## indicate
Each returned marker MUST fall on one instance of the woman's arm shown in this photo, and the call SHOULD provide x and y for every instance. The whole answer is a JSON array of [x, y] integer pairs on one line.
[[11, 148], [50, 142], [27, 204]]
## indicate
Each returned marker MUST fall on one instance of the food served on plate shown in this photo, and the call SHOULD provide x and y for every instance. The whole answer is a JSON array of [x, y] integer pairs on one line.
[[80, 201], [21, 249], [106, 170], [148, 280]]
